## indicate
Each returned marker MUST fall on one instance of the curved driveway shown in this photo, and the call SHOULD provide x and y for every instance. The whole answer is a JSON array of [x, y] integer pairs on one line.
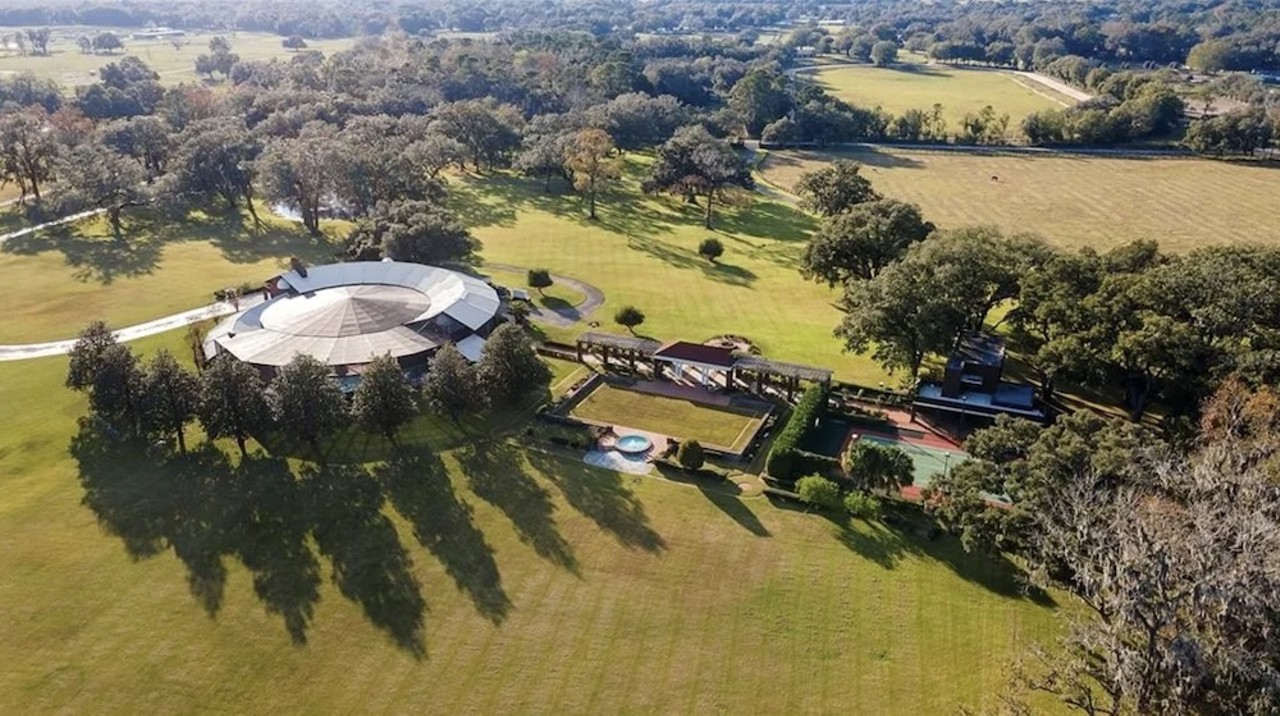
[[561, 317]]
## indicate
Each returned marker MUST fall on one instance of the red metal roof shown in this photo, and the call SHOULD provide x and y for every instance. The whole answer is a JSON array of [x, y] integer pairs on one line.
[[697, 353]]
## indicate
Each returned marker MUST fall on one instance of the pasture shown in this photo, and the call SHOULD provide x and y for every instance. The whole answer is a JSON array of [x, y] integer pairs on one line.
[[483, 579], [960, 90], [174, 64], [1071, 200]]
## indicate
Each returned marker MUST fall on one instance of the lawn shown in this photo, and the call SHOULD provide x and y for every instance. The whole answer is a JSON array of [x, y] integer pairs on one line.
[[70, 67], [557, 295], [960, 90], [482, 580], [664, 415], [53, 282], [1072, 201], [643, 252]]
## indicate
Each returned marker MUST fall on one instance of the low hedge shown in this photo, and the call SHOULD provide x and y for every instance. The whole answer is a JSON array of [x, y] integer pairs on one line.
[[782, 462]]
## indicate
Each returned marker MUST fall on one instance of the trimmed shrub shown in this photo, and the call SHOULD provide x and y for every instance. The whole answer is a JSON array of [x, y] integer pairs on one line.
[[691, 455], [782, 461], [711, 249], [862, 505], [819, 492]]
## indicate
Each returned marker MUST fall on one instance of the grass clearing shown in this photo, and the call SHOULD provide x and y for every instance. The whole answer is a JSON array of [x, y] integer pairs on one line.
[[665, 415], [68, 66], [486, 579], [53, 282], [643, 251], [1072, 201], [911, 85]]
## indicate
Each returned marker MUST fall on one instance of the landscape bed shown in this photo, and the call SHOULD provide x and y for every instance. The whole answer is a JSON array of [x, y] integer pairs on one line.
[[729, 428]]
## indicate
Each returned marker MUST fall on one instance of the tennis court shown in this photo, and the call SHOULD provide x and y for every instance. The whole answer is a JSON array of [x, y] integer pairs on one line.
[[928, 461]]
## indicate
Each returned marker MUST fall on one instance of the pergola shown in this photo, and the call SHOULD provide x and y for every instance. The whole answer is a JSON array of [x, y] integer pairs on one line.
[[764, 372], [627, 348], [755, 373]]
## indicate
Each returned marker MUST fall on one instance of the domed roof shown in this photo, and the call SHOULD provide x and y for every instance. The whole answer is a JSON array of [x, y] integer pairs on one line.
[[345, 311]]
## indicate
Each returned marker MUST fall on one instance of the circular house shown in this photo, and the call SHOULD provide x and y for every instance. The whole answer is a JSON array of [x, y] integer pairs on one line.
[[347, 314]]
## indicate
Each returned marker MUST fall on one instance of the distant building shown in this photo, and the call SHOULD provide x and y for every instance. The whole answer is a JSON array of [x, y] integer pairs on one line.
[[972, 383], [158, 33], [806, 51]]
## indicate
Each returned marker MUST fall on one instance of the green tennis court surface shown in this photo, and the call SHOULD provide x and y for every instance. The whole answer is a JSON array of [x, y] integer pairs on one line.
[[928, 461]]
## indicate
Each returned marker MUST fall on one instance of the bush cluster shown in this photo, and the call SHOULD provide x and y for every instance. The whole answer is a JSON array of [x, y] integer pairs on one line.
[[783, 462]]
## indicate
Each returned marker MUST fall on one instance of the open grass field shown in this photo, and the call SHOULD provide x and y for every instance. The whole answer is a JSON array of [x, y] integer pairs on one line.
[[70, 67], [481, 580], [643, 251], [55, 281], [1072, 201], [960, 90], [665, 415]]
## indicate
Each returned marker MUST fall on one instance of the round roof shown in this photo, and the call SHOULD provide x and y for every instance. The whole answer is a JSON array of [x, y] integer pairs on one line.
[[351, 313], [345, 311]]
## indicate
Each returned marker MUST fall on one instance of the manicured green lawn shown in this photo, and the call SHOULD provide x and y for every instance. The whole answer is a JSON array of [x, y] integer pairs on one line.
[[959, 90], [678, 418], [643, 252], [55, 281], [68, 66], [1072, 201], [557, 295], [481, 580]]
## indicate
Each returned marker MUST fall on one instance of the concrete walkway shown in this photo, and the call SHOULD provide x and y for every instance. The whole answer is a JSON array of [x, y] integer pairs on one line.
[[132, 333], [560, 317], [56, 222]]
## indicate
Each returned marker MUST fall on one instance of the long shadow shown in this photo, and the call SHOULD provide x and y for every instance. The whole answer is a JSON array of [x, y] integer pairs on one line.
[[273, 542], [730, 274], [722, 494], [370, 566], [496, 473], [207, 510], [100, 258], [418, 486], [905, 535], [602, 497]]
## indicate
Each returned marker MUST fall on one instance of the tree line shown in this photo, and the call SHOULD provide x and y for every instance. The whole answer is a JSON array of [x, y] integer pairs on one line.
[[304, 404], [1133, 320]]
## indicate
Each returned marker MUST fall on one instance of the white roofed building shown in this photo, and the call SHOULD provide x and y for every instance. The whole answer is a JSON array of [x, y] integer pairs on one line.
[[347, 314]]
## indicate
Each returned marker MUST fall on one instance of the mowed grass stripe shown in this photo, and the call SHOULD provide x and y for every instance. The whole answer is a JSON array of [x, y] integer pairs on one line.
[[1073, 201]]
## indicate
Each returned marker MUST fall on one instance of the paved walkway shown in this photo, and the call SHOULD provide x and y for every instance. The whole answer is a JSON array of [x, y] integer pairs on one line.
[[131, 333], [561, 317], [56, 222]]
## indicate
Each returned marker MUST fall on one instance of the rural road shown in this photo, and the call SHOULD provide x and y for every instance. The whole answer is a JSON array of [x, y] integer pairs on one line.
[[131, 333]]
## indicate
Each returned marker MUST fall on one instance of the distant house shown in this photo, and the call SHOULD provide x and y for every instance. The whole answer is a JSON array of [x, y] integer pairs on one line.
[[158, 33], [972, 383], [806, 51]]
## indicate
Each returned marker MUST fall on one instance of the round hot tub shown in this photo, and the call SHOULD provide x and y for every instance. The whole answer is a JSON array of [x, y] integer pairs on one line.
[[633, 444]]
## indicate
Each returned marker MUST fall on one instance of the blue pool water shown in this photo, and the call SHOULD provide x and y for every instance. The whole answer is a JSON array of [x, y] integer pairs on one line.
[[633, 443]]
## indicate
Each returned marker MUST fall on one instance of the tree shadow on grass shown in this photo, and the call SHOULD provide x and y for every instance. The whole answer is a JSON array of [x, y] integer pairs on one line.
[[767, 220], [96, 256], [370, 566], [906, 533], [496, 473], [602, 497], [419, 488], [730, 274], [206, 510], [721, 493]]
